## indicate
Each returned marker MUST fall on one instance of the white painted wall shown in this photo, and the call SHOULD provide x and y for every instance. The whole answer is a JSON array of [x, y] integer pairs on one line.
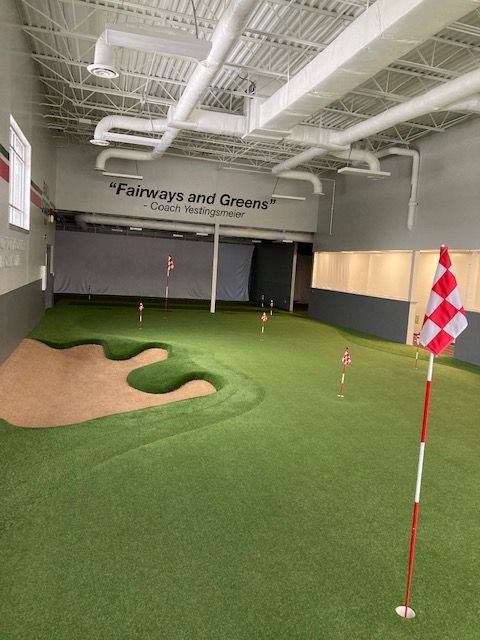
[[372, 215], [81, 188], [20, 96]]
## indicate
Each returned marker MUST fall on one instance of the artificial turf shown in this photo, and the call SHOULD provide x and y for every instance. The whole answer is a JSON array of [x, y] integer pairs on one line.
[[271, 509]]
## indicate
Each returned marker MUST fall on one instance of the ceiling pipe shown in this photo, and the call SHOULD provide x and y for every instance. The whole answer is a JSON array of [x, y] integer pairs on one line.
[[437, 99], [227, 32], [471, 104], [306, 176], [129, 123], [414, 178], [83, 219], [124, 154], [359, 155]]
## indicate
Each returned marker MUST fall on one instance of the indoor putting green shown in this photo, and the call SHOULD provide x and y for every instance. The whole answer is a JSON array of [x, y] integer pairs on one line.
[[270, 509]]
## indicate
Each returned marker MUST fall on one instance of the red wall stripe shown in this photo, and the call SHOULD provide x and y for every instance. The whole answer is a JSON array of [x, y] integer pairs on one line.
[[4, 170], [35, 199]]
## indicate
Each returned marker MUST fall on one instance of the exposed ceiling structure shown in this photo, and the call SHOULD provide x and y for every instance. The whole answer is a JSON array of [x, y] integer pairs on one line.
[[280, 39]]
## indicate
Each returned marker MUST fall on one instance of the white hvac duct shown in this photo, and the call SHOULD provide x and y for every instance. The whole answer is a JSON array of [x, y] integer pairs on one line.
[[471, 104], [83, 219], [305, 176], [437, 99], [104, 60], [412, 202], [359, 156], [227, 32], [100, 137], [383, 33], [204, 121]]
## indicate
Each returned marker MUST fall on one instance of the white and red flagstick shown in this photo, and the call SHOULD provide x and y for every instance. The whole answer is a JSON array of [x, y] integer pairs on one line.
[[264, 319], [444, 320], [140, 312], [346, 360], [416, 342], [170, 267], [271, 307]]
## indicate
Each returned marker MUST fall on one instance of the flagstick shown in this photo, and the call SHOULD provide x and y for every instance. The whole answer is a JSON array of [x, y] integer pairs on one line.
[[166, 295], [416, 358], [405, 611], [340, 393]]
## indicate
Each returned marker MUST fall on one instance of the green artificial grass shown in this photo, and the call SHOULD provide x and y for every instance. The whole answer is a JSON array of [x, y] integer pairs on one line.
[[271, 509]]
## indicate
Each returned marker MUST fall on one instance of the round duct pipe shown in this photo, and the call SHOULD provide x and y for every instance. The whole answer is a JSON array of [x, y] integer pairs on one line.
[[83, 219]]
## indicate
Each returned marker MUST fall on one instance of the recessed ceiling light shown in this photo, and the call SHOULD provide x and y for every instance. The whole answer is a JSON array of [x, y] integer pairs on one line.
[[136, 229], [177, 235], [201, 233]]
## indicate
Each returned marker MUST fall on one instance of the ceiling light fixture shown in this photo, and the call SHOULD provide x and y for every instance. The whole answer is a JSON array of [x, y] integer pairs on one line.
[[366, 173], [201, 233], [113, 174], [136, 229], [282, 197], [177, 235]]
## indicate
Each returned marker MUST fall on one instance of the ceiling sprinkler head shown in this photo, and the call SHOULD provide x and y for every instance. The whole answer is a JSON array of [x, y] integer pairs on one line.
[[104, 71]]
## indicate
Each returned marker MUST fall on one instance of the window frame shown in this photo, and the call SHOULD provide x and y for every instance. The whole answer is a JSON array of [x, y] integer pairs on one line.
[[20, 154]]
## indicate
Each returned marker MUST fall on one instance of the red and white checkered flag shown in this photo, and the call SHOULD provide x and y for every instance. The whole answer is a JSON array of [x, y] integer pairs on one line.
[[445, 317], [264, 317], [346, 358], [170, 264]]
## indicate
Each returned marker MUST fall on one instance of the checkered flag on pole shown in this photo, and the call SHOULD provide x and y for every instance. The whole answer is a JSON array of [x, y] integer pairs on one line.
[[170, 265], [445, 319]]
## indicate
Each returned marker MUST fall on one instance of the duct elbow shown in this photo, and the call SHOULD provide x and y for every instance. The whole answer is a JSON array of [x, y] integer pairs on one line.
[[306, 176]]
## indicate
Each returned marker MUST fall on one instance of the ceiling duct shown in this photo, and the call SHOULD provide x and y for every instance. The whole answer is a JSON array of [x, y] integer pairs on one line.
[[380, 35], [173, 42], [83, 219]]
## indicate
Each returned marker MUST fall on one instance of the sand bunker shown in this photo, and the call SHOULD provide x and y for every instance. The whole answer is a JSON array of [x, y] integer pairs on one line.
[[45, 387]]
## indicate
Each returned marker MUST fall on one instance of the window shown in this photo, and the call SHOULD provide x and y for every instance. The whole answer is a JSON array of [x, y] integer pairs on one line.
[[19, 185]]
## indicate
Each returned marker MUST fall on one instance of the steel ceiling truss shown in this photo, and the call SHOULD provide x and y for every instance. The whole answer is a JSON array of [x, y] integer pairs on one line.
[[281, 38]]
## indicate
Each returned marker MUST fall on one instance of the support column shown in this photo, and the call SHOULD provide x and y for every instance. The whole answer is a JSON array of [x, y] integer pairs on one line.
[[294, 276], [213, 296], [412, 304]]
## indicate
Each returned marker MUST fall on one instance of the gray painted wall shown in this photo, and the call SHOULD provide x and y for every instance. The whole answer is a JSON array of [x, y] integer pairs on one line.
[[22, 253], [20, 310], [376, 316], [371, 215], [81, 188], [467, 346]]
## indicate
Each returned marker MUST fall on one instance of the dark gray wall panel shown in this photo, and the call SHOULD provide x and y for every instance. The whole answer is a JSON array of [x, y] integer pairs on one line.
[[272, 274], [467, 346], [136, 266], [379, 317], [20, 310]]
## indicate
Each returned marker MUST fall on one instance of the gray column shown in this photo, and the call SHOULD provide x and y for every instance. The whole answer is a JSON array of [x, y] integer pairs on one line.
[[294, 276]]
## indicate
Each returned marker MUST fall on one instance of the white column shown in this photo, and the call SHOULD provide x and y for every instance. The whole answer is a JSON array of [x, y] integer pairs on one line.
[[412, 304], [294, 276], [213, 296]]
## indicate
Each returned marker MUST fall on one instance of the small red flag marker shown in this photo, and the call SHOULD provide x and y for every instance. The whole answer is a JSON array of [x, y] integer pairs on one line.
[[445, 319], [346, 360], [416, 342], [170, 267], [264, 319]]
